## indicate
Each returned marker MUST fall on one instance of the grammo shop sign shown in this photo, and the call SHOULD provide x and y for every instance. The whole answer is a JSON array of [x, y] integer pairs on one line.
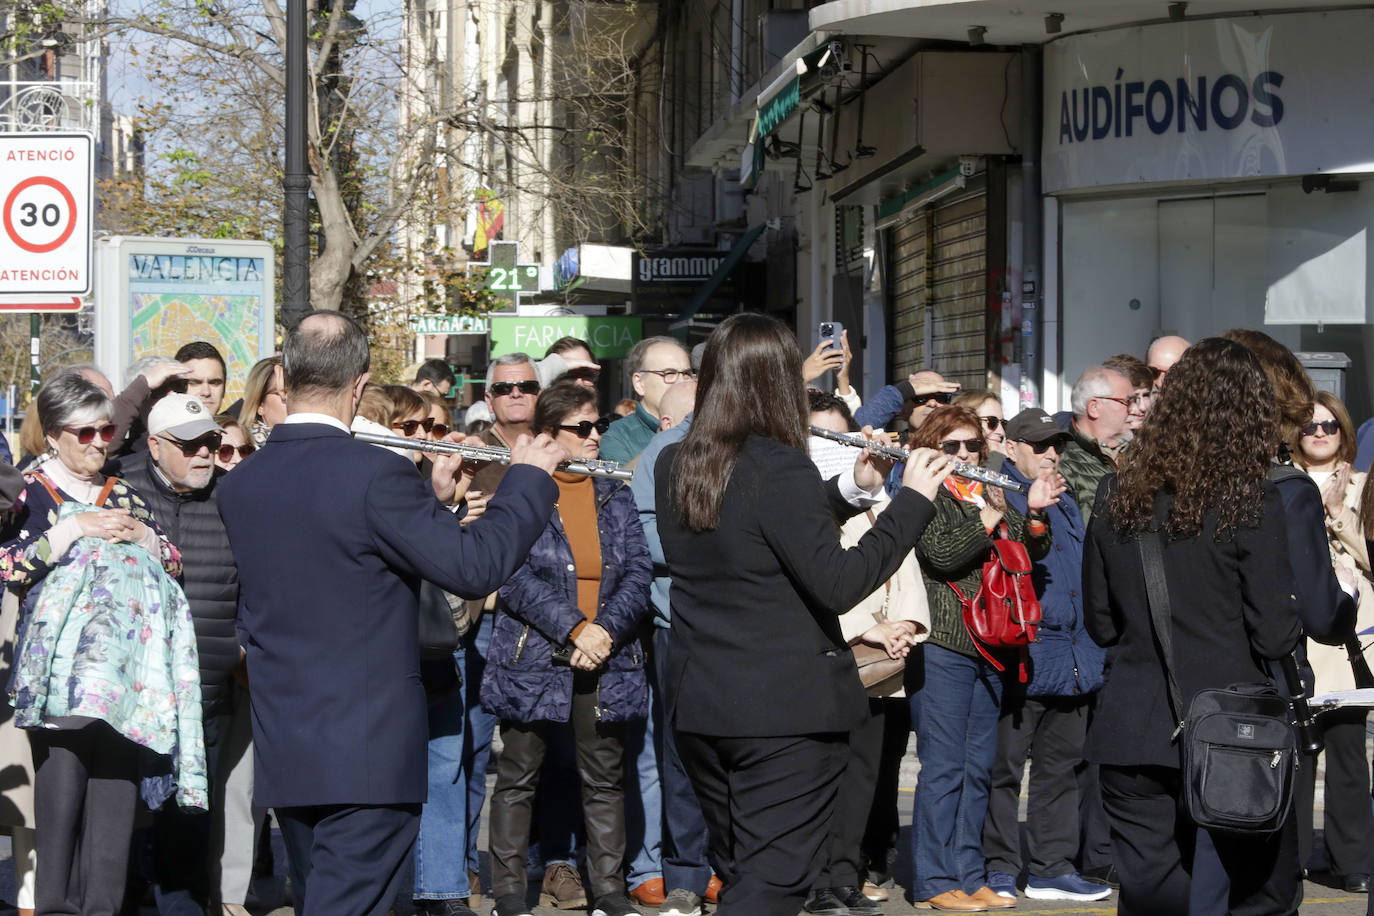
[[610, 337]]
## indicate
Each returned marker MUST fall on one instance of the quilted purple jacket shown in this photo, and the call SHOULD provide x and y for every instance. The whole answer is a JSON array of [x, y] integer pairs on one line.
[[521, 683]]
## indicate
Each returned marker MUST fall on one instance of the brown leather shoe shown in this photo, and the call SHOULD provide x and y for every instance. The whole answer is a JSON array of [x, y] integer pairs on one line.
[[991, 899], [562, 888], [649, 893], [713, 890], [955, 900]]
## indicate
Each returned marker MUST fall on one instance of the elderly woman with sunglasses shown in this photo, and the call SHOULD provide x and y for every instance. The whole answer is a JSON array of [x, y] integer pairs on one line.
[[955, 692], [564, 650], [105, 658]]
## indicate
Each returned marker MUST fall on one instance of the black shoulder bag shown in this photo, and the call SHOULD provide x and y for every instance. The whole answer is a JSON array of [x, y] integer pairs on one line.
[[1240, 755]]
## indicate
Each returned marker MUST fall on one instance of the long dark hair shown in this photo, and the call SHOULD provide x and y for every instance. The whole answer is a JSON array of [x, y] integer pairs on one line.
[[1209, 440], [750, 383], [1293, 388]]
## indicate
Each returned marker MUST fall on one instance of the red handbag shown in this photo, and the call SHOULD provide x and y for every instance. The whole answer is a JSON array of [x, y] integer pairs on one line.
[[1004, 613]]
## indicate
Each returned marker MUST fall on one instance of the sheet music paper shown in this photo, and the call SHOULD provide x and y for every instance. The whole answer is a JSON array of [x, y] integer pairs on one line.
[[1336, 699], [831, 458]]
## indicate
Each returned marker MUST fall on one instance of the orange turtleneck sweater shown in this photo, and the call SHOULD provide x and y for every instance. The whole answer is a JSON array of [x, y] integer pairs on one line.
[[577, 510]]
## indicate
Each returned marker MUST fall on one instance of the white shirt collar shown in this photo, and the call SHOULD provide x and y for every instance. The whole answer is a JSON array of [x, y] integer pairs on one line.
[[324, 418]]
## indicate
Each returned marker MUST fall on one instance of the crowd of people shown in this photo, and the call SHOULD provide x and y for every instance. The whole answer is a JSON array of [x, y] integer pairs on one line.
[[704, 678]]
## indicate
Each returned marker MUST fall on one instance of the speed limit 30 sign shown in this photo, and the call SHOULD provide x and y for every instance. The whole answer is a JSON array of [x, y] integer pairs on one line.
[[45, 213]]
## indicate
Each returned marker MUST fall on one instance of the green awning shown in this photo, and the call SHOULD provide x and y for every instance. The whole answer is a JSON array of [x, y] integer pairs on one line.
[[708, 289], [774, 110]]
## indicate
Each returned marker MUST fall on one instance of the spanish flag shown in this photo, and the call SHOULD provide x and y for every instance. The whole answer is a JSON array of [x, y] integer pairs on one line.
[[491, 215]]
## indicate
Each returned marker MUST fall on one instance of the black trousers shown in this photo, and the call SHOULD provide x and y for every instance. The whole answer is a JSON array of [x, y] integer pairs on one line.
[[186, 880], [84, 794], [1050, 730], [349, 856], [1349, 822], [1153, 842], [853, 800], [767, 804], [859, 808], [879, 847], [1095, 835], [600, 749]]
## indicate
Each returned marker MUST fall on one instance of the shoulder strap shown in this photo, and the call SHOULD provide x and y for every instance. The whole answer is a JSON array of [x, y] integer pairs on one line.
[[105, 491], [47, 485], [1157, 596]]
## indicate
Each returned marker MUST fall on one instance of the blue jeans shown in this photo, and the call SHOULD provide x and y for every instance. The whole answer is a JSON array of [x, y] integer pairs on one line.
[[684, 828], [644, 793], [441, 847], [955, 701], [559, 810]]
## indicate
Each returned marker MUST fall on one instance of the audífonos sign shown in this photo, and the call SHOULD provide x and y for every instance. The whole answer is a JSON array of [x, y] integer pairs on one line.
[[610, 337], [1209, 100]]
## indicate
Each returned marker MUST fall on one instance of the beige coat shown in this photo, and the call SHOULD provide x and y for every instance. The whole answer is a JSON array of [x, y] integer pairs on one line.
[[1348, 550], [16, 759], [903, 597]]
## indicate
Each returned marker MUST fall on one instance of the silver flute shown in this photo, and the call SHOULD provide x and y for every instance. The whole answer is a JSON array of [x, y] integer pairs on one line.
[[586, 466], [961, 468]]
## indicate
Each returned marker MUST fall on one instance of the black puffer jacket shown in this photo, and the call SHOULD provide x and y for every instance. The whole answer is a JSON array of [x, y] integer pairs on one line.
[[191, 521]]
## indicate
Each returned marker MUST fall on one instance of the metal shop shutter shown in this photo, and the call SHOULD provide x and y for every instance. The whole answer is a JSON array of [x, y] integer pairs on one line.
[[939, 289]]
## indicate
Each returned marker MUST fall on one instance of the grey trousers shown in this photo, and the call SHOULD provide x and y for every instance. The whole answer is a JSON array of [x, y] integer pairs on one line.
[[237, 823], [85, 792]]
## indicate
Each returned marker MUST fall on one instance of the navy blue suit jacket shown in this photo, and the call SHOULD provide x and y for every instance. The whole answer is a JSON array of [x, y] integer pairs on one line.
[[332, 537]]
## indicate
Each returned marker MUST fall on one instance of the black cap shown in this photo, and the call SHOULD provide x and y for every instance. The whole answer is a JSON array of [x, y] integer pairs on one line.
[[1034, 425]]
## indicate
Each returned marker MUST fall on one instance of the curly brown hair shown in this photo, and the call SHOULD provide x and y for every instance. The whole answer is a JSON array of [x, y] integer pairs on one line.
[[1293, 388], [943, 421], [1209, 440]]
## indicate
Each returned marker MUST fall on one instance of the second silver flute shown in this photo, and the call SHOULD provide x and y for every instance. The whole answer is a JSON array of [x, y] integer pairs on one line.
[[589, 467], [961, 468]]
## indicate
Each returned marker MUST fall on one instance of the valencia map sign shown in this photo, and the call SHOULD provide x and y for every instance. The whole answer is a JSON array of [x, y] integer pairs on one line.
[[46, 207]]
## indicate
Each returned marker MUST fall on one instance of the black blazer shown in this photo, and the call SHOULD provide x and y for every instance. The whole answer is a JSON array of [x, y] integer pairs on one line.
[[1231, 605], [756, 648], [1326, 611], [331, 537]]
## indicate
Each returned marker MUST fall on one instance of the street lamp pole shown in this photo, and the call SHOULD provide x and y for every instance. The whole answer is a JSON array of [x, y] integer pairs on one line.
[[296, 254]]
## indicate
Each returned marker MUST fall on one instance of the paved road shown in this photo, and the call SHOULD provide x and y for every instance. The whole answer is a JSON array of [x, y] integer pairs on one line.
[[1318, 900]]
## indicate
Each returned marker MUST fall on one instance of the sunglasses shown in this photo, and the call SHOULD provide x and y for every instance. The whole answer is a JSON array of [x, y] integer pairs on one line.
[[1041, 448], [1330, 427], [226, 452], [1124, 402], [992, 423], [584, 429], [952, 446], [439, 430], [189, 449], [177, 385], [942, 397], [501, 389], [86, 434], [408, 427]]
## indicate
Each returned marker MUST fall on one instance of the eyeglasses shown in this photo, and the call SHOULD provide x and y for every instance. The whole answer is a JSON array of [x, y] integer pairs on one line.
[[943, 397], [226, 452], [86, 434], [408, 427], [189, 449], [991, 423], [952, 446], [1330, 427], [1141, 400], [501, 389], [439, 430], [584, 429], [1124, 402], [671, 376], [277, 391]]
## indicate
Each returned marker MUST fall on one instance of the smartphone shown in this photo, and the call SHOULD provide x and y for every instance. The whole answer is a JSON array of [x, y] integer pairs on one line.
[[830, 332]]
